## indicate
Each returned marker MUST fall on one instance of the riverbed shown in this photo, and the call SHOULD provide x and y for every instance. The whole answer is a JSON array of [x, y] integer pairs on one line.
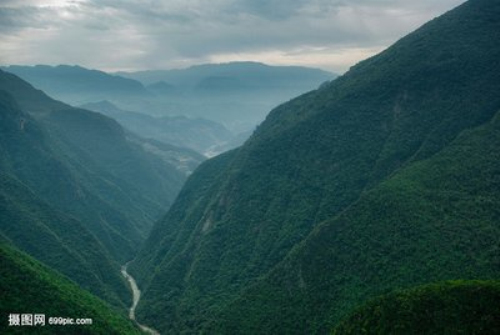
[[136, 296]]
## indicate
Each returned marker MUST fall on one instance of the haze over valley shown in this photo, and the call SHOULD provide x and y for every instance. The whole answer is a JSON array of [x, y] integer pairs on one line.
[[208, 108]]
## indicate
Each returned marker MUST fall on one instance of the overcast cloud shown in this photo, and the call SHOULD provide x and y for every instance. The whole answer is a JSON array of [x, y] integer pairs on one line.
[[161, 34]]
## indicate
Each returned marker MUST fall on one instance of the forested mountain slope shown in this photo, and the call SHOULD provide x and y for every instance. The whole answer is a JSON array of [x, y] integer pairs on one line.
[[333, 200], [435, 220], [96, 149], [78, 194], [31, 178]]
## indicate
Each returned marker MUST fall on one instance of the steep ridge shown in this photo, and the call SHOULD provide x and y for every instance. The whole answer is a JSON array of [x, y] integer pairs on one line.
[[58, 239], [74, 179], [50, 295], [249, 244]]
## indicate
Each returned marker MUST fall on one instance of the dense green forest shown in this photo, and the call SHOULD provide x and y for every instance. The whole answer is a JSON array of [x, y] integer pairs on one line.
[[28, 287], [459, 307], [384, 179], [30, 222], [434, 220]]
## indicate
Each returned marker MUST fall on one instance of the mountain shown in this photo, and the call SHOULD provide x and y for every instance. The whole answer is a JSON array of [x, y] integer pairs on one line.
[[384, 179], [434, 220], [462, 307], [53, 296], [197, 134], [77, 85], [78, 193], [237, 94]]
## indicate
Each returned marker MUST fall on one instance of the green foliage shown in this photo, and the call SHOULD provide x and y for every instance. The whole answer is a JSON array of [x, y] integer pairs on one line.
[[102, 177], [59, 241], [28, 287], [334, 199], [33, 185], [459, 307]]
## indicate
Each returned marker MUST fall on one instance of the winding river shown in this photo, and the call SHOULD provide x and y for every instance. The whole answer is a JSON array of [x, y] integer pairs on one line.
[[136, 296]]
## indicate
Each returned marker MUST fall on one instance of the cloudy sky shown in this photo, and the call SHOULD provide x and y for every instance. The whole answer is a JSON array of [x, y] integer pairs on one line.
[[162, 34]]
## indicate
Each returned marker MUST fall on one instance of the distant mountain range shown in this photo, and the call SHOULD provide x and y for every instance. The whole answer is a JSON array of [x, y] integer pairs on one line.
[[237, 95], [246, 76], [383, 179]]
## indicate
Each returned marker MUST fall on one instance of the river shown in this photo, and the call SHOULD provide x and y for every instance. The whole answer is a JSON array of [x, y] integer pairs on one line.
[[136, 296]]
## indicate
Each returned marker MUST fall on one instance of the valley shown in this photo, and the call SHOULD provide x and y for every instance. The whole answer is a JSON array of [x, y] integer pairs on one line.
[[246, 198]]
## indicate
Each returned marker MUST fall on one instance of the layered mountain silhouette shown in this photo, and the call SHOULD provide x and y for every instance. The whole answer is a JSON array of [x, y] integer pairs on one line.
[[238, 94], [385, 178], [208, 108]]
